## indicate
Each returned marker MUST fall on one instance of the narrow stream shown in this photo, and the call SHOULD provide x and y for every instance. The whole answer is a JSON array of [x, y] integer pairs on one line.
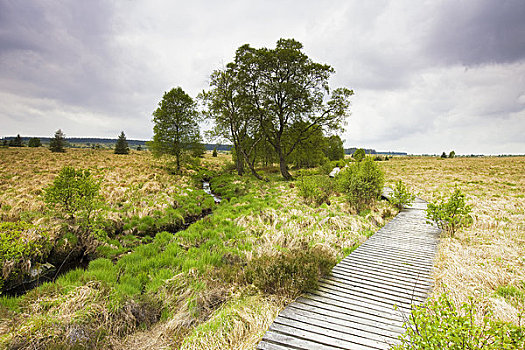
[[206, 187], [47, 272]]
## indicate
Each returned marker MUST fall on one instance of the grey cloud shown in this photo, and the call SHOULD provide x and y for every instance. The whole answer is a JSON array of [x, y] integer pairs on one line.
[[478, 32]]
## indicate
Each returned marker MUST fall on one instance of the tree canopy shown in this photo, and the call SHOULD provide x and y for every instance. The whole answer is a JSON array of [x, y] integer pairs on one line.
[[34, 142], [176, 130], [277, 96]]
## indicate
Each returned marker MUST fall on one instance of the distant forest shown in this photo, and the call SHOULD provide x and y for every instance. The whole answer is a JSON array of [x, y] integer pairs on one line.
[[373, 151], [86, 142]]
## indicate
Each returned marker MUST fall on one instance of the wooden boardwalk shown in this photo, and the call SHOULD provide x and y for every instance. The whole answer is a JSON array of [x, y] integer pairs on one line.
[[362, 304]]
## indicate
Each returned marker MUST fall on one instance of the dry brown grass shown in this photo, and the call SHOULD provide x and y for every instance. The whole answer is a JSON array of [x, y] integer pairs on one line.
[[490, 253], [336, 226], [137, 180]]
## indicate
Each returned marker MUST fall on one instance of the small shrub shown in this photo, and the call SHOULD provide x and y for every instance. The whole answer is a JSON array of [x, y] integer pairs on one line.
[[401, 197], [73, 192], [452, 214], [440, 325], [290, 273], [214, 153], [362, 182], [315, 189]]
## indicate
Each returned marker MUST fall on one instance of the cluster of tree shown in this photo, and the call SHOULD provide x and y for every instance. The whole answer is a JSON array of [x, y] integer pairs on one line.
[[273, 105], [452, 154], [19, 142]]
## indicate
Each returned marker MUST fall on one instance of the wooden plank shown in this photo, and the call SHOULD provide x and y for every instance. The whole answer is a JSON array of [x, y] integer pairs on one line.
[[263, 345], [294, 341], [382, 287], [378, 294], [346, 315], [382, 270], [364, 297], [405, 268], [351, 308], [353, 337], [326, 338], [383, 276], [384, 279], [413, 264], [343, 325]]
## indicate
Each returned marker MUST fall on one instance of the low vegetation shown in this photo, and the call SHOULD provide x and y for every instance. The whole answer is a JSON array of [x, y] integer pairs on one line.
[[159, 273], [482, 261], [441, 325]]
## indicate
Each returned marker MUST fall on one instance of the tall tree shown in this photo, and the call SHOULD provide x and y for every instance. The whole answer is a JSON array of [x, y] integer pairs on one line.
[[16, 142], [226, 105], [58, 143], [176, 129], [335, 150], [283, 87], [122, 147]]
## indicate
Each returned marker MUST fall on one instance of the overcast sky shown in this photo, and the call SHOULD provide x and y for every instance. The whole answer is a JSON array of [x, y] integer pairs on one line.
[[428, 76]]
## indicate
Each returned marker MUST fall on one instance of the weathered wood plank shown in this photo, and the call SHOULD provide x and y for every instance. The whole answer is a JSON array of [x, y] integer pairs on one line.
[[383, 275], [345, 315], [342, 325]]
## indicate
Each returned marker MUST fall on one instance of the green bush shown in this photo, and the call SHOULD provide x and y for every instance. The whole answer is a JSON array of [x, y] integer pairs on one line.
[[73, 193], [401, 197], [315, 189], [452, 214], [362, 182], [291, 272], [440, 325], [359, 154]]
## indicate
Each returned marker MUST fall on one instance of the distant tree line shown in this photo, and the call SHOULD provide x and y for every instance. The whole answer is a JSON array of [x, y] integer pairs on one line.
[[373, 151]]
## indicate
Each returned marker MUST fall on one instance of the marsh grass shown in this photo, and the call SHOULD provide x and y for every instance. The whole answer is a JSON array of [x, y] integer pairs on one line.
[[485, 258]]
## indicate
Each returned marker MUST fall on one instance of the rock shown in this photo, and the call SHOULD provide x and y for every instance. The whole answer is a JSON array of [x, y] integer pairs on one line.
[[334, 172]]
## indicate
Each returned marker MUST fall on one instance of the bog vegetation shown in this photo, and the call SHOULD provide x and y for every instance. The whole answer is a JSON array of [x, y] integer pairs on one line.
[[478, 301], [135, 254], [154, 265]]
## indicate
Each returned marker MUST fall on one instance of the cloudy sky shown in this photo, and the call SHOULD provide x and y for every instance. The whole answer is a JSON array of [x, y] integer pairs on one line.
[[428, 76]]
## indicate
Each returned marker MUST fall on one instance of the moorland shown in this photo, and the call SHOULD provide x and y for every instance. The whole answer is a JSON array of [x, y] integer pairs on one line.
[[160, 263]]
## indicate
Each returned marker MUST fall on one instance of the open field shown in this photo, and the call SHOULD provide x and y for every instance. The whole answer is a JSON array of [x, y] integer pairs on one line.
[[217, 284], [486, 260]]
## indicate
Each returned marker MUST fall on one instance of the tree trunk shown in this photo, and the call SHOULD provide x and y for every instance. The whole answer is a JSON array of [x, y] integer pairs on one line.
[[251, 166], [283, 167], [177, 156], [239, 164]]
